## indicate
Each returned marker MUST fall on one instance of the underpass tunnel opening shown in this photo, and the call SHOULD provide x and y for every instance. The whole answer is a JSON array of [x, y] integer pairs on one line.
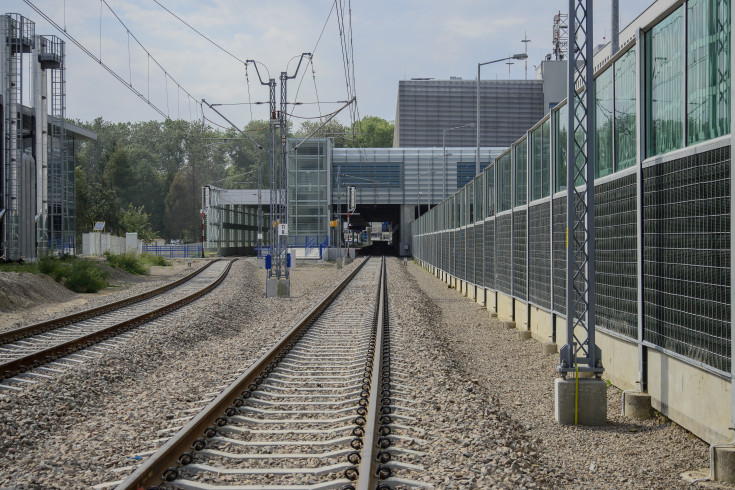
[[376, 228]]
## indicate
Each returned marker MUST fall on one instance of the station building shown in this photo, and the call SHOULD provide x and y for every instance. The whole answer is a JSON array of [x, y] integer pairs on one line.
[[398, 184], [663, 215]]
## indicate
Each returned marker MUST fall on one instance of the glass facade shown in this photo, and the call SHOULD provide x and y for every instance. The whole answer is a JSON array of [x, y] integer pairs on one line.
[[625, 111], [708, 69], [308, 212], [604, 123], [359, 174], [521, 170], [665, 85]]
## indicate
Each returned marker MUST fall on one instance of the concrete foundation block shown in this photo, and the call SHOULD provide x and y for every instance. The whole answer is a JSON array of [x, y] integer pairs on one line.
[[723, 464], [524, 334], [509, 324], [277, 288], [493, 314], [591, 401], [637, 406], [548, 348]]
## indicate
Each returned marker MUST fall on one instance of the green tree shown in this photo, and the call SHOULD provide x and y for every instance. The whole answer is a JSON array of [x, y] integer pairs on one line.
[[340, 134], [119, 174], [180, 221], [136, 220], [374, 132]]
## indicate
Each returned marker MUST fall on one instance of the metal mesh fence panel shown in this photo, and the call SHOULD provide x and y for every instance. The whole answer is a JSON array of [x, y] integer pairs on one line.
[[559, 232], [445, 251], [504, 232], [489, 253], [539, 255], [451, 252], [519, 253], [462, 252], [615, 256], [480, 254], [471, 254], [686, 256]]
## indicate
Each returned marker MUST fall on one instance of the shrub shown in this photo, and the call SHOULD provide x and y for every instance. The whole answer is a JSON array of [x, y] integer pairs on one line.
[[128, 262], [154, 260], [85, 277], [54, 268]]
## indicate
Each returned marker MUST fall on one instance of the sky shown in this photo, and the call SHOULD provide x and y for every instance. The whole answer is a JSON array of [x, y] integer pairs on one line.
[[391, 41]]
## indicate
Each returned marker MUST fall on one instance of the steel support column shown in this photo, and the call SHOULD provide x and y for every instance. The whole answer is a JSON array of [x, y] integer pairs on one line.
[[580, 352]]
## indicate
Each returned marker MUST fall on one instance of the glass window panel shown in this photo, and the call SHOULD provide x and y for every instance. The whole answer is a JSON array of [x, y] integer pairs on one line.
[[560, 167], [708, 69], [504, 182], [521, 169], [604, 123], [490, 199], [625, 111], [546, 160], [665, 85], [536, 163], [540, 161]]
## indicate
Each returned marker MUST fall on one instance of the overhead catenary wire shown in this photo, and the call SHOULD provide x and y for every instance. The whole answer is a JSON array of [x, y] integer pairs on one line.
[[322, 125], [324, 27], [197, 31], [257, 145], [144, 97]]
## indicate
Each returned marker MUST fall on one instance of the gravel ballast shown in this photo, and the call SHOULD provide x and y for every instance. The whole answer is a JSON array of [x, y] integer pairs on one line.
[[72, 431], [515, 383], [482, 400]]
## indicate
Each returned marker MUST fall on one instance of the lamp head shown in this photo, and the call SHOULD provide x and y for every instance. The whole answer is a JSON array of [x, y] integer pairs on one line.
[[520, 56]]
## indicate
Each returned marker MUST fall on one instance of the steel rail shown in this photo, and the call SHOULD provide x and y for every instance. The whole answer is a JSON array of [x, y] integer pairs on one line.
[[368, 464], [45, 326], [161, 465], [38, 358]]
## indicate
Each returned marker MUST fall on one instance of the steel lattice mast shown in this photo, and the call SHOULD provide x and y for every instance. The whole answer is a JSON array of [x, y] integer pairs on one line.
[[279, 183], [580, 352]]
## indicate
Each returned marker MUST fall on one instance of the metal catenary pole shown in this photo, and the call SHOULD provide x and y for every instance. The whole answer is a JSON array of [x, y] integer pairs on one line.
[[280, 179], [580, 352]]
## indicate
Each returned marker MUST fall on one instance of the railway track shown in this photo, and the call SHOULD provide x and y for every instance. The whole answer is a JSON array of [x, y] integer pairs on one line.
[[34, 346], [313, 412]]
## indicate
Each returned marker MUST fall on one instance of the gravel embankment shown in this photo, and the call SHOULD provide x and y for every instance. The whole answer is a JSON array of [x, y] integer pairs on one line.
[[501, 432], [37, 298], [71, 432]]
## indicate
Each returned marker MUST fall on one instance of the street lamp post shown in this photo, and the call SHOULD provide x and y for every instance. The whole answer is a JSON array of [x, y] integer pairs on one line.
[[519, 56], [444, 151]]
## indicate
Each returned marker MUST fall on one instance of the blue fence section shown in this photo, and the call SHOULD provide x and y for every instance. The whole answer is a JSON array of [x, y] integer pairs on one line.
[[174, 251]]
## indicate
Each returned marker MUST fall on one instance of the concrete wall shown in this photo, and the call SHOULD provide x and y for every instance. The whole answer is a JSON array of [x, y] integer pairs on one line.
[[505, 308], [99, 243], [684, 392], [540, 324]]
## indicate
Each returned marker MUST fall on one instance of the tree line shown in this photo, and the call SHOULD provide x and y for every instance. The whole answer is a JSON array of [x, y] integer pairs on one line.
[[146, 177]]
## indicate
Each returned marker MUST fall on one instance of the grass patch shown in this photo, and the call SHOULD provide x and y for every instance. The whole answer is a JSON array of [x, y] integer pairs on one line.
[[129, 262], [20, 268], [155, 260], [78, 275]]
